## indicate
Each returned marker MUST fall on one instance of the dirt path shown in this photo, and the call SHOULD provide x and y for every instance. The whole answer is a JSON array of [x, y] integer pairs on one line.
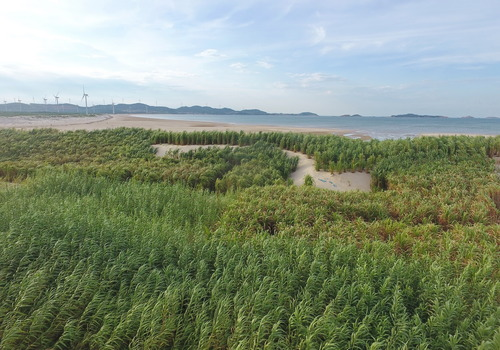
[[348, 181]]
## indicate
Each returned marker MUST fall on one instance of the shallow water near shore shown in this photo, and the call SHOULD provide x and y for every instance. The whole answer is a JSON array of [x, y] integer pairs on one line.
[[375, 127]]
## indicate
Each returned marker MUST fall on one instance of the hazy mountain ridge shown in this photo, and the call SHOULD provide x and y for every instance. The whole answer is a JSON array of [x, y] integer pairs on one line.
[[135, 108]]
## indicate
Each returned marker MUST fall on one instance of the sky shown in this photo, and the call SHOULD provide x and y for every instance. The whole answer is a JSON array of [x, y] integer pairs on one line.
[[331, 57]]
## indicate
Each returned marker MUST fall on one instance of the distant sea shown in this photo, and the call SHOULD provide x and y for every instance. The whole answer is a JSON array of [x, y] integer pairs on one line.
[[376, 127]]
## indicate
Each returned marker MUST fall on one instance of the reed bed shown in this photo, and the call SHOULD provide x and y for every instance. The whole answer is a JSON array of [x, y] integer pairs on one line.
[[94, 255]]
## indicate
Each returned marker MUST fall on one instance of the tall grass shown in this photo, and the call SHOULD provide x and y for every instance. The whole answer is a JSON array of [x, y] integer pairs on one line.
[[103, 245], [93, 263]]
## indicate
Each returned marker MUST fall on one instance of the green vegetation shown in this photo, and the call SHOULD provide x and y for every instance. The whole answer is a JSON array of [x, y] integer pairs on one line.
[[308, 180], [127, 154], [104, 245]]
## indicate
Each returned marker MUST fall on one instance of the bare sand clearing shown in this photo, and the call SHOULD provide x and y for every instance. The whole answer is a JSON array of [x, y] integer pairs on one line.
[[347, 181], [123, 120]]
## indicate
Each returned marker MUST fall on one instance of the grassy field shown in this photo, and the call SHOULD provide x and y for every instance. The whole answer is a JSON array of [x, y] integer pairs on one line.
[[104, 245]]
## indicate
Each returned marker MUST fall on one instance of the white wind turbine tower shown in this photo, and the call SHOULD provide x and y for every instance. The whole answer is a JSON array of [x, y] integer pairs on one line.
[[85, 97], [113, 104], [45, 101], [56, 96]]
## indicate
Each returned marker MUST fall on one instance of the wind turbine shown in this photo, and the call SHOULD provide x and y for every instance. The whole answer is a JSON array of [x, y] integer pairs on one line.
[[56, 96], [113, 104], [45, 101], [85, 97]]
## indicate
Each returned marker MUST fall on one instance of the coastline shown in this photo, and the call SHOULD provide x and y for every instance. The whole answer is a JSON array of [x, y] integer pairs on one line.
[[109, 121], [69, 123]]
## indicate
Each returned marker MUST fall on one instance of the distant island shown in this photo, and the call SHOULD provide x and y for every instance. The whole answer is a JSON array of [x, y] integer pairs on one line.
[[411, 115], [134, 108]]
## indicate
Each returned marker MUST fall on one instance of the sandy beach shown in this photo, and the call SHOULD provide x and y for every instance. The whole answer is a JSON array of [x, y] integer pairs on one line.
[[123, 120]]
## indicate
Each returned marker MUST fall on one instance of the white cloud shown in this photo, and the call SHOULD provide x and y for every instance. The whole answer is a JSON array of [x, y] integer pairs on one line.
[[238, 66], [318, 34], [265, 64], [309, 79], [210, 53]]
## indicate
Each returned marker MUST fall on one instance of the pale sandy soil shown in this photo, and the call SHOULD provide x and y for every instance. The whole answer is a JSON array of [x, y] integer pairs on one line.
[[347, 181], [123, 120]]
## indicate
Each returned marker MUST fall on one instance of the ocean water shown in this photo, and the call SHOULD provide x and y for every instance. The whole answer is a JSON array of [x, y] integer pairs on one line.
[[375, 127]]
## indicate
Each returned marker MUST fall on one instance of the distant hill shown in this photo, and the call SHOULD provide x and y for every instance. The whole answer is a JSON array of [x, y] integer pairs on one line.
[[350, 115], [411, 115], [121, 108]]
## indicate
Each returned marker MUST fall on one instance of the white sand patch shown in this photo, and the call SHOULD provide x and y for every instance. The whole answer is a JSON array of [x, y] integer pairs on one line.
[[347, 181]]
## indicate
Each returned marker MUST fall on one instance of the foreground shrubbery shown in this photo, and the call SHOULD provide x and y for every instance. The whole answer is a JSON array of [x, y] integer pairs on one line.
[[105, 245], [92, 263]]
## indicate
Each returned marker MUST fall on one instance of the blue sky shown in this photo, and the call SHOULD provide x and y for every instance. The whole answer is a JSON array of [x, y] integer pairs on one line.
[[372, 57]]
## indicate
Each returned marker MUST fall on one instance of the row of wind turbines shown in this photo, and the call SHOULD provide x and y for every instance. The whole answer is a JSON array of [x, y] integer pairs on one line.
[[85, 96]]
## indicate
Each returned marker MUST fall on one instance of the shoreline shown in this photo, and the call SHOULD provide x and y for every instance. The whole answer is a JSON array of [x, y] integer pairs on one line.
[[106, 121], [110, 121]]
